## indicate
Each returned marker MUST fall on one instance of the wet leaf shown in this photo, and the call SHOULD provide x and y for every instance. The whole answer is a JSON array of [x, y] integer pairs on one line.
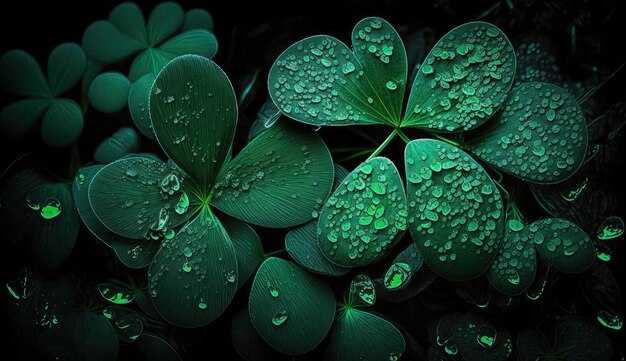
[[290, 309], [456, 211], [193, 277], [539, 136], [463, 80], [277, 180], [365, 216], [302, 245], [194, 115], [563, 244]]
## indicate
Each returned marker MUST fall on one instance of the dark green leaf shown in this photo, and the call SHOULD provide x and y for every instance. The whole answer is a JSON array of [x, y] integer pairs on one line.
[[277, 180], [105, 44], [365, 216], [195, 41], [539, 136], [364, 87], [463, 80], [198, 19], [563, 244], [128, 18], [513, 270], [247, 341], [17, 118], [361, 335], [302, 245], [21, 75], [120, 144], [248, 247], [62, 123], [194, 115], [66, 66], [165, 19], [138, 197], [149, 61], [290, 309], [108, 92], [194, 275], [456, 212], [139, 104], [154, 348]]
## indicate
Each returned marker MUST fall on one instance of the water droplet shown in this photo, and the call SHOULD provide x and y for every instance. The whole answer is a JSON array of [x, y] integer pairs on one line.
[[397, 276], [450, 348], [612, 227], [115, 294], [231, 276], [273, 291], [280, 317], [513, 278], [202, 305], [610, 320], [486, 336], [391, 85], [363, 287], [51, 208], [183, 203], [22, 287]]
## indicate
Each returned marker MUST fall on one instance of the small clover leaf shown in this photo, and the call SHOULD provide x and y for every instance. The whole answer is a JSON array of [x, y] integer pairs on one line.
[[62, 118]]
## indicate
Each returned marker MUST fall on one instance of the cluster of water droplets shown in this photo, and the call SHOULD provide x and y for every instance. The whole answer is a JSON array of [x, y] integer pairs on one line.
[[516, 258], [456, 209], [559, 237], [540, 134], [464, 79], [535, 63], [365, 214], [363, 287]]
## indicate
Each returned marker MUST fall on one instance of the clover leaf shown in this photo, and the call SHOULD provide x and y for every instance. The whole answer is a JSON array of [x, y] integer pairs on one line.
[[559, 242], [462, 82], [455, 210], [275, 181], [21, 75]]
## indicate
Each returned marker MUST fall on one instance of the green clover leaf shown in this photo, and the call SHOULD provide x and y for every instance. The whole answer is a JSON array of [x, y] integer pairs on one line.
[[62, 118], [201, 259]]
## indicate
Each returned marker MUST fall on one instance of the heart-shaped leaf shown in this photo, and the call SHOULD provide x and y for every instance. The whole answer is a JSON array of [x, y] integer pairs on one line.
[[193, 277], [539, 136], [120, 144], [365, 216], [194, 115], [361, 335], [456, 211], [131, 252], [513, 269], [463, 80], [563, 244], [139, 197], [320, 81], [469, 337], [108, 92], [277, 180], [289, 308]]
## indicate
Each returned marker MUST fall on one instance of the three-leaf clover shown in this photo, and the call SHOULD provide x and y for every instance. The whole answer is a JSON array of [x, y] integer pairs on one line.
[[275, 181], [21, 75]]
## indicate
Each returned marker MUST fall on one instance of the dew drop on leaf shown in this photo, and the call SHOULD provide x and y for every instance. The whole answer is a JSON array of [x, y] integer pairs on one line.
[[363, 287], [280, 317], [50, 208], [397, 275], [115, 294], [610, 320], [486, 336], [612, 227]]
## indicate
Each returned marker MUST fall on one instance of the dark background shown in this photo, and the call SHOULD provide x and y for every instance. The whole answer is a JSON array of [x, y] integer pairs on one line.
[[251, 35]]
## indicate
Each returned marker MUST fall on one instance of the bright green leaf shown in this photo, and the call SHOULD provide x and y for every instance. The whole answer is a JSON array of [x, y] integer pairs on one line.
[[289, 308], [277, 179], [361, 335], [539, 136], [456, 211], [194, 275], [463, 80], [365, 216], [194, 115]]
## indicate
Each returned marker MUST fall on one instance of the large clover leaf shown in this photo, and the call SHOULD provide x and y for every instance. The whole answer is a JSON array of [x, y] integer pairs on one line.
[[195, 273], [21, 75], [455, 210], [462, 82]]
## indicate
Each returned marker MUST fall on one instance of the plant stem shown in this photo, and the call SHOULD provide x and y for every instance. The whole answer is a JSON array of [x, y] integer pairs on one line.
[[383, 144], [274, 253], [451, 142], [403, 136], [356, 155]]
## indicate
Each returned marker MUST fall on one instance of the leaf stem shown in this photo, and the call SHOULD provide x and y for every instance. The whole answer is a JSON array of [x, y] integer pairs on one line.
[[274, 253], [451, 142], [403, 136], [356, 155], [383, 145]]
